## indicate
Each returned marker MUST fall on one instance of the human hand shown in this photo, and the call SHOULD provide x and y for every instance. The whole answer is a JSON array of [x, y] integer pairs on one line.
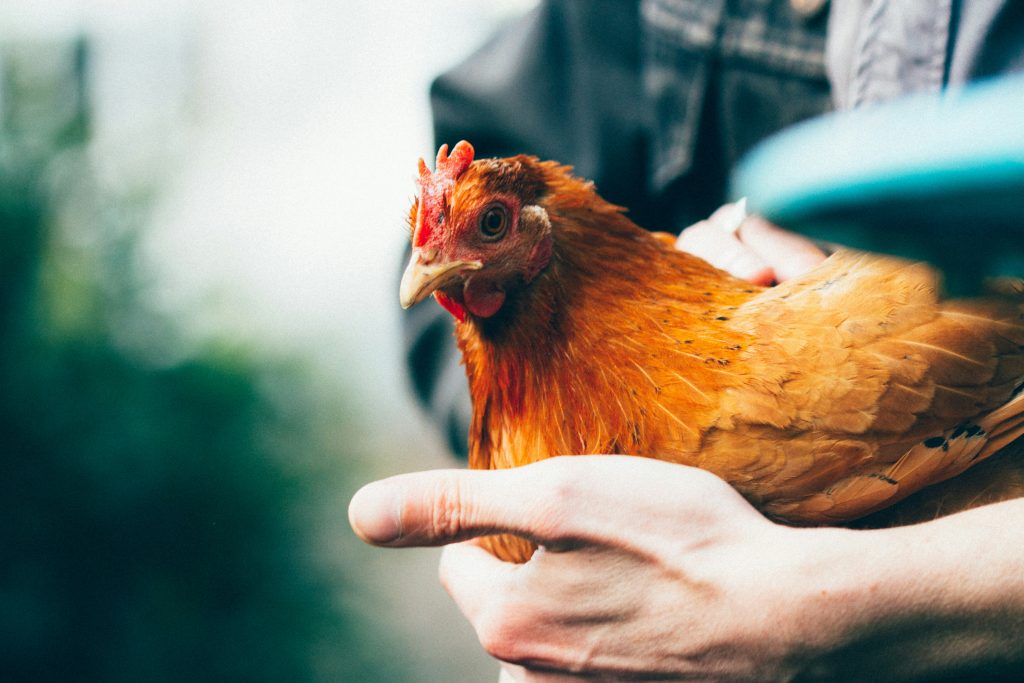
[[749, 247], [645, 569]]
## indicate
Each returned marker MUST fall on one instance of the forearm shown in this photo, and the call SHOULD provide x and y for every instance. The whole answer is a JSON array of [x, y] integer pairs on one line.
[[935, 598]]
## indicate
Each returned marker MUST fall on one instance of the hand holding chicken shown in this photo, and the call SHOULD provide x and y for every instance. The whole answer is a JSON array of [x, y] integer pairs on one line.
[[652, 571]]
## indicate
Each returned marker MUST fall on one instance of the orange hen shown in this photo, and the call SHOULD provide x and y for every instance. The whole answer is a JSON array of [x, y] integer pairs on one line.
[[821, 400]]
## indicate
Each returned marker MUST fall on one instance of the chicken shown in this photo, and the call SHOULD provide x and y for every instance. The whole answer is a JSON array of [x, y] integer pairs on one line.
[[821, 400]]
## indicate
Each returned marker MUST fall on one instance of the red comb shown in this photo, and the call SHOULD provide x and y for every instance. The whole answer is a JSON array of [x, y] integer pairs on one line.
[[433, 186], [455, 165]]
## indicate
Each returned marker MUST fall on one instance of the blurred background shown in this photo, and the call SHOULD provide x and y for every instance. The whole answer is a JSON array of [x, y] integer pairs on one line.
[[202, 214]]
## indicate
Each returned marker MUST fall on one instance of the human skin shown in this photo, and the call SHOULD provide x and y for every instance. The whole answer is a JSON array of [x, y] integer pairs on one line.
[[654, 571], [750, 248]]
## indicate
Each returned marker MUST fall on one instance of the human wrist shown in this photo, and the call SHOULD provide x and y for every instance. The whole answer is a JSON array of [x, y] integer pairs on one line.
[[837, 595], [898, 604]]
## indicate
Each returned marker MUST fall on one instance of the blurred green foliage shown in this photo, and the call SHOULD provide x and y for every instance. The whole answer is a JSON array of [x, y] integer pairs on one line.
[[161, 513]]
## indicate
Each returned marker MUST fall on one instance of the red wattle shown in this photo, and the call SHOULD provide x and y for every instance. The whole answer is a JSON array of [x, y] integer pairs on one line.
[[483, 302], [451, 305]]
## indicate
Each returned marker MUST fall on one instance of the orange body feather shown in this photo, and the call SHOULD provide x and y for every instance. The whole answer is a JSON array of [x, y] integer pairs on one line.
[[821, 400]]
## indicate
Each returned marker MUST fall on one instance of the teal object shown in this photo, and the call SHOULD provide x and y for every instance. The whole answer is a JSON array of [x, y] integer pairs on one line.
[[938, 177]]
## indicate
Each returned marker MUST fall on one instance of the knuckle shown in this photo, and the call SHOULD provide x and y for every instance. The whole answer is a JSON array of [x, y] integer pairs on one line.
[[690, 238], [561, 483], [448, 513], [512, 644], [498, 636], [558, 494], [695, 228]]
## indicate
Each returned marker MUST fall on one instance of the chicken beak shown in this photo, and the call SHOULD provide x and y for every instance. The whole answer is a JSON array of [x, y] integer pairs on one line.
[[426, 273]]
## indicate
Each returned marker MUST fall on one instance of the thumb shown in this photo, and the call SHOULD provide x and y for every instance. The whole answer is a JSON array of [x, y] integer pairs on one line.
[[443, 506]]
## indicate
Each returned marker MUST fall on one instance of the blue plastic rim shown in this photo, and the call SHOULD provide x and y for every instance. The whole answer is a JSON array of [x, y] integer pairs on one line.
[[916, 149]]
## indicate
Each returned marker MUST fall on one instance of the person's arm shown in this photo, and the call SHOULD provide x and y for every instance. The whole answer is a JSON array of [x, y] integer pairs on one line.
[[651, 570]]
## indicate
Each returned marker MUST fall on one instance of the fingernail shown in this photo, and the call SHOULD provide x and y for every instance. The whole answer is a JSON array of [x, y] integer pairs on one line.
[[374, 514]]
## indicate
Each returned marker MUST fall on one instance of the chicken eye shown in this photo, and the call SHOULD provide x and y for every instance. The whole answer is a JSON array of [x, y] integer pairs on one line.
[[494, 222]]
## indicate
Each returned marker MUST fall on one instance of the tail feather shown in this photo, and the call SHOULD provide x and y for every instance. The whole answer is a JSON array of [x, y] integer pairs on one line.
[[1001, 441], [1010, 412]]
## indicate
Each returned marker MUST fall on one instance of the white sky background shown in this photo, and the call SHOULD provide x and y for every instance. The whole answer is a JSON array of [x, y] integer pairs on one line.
[[283, 137]]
